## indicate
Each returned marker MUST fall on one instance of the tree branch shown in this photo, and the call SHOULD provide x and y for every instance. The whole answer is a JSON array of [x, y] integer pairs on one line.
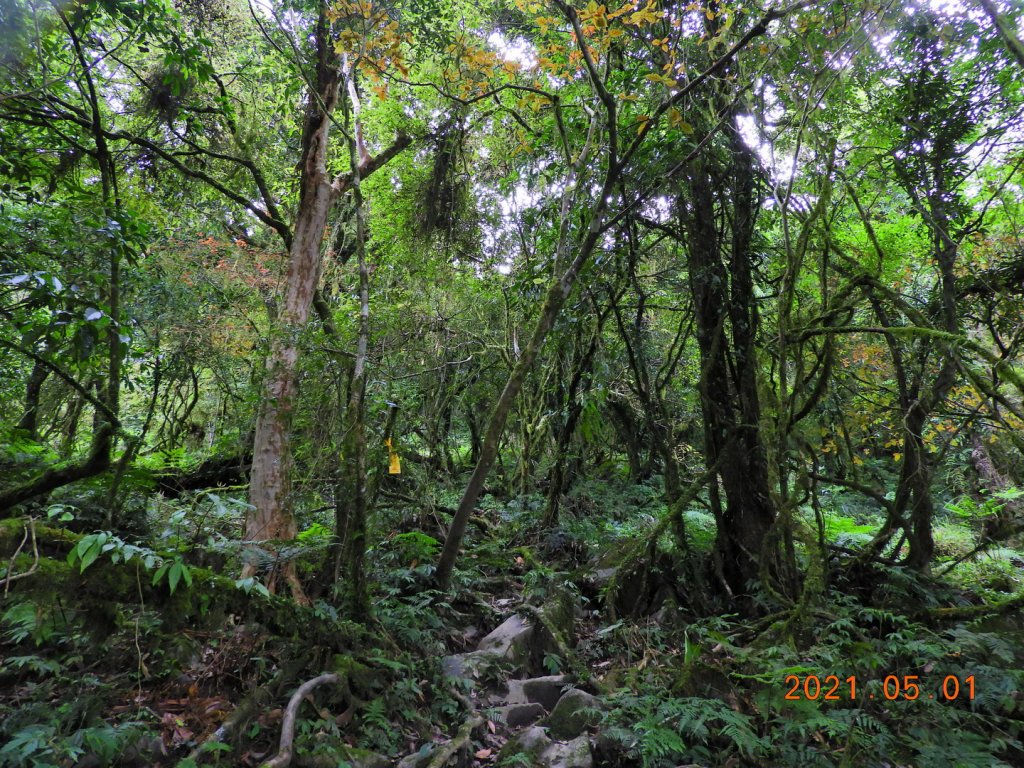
[[343, 181]]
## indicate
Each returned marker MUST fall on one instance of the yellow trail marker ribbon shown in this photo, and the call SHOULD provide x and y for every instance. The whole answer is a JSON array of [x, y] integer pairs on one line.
[[394, 463]]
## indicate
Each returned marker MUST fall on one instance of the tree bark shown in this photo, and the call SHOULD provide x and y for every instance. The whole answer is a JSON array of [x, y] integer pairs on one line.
[[557, 294], [33, 387], [271, 517], [582, 374], [723, 295], [107, 401]]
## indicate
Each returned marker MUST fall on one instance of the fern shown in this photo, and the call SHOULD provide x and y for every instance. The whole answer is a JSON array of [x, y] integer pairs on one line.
[[660, 743]]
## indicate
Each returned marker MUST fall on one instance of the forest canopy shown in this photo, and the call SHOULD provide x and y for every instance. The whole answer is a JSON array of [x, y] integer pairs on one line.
[[680, 342]]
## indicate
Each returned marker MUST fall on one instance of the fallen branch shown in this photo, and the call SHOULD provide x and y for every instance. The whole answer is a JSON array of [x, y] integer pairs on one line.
[[284, 751], [971, 612], [214, 472]]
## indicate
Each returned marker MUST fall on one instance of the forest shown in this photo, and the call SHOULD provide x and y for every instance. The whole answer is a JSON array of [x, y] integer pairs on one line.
[[537, 383]]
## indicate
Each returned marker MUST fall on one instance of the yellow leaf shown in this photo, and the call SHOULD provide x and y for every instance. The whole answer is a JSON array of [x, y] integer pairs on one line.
[[675, 119], [897, 456], [629, 6], [666, 81], [647, 16], [643, 120], [545, 23]]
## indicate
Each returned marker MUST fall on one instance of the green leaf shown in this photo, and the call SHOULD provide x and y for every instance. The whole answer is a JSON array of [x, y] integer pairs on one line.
[[160, 573], [174, 575]]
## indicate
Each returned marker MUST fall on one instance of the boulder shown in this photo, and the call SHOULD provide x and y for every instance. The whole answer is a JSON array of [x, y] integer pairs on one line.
[[518, 715], [364, 758], [541, 752], [474, 666], [554, 634], [357, 758], [530, 742], [570, 754], [510, 639], [559, 613], [545, 691], [575, 712]]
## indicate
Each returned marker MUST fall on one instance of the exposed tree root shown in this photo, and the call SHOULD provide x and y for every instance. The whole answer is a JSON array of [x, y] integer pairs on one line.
[[10, 575], [284, 751], [443, 754], [251, 705]]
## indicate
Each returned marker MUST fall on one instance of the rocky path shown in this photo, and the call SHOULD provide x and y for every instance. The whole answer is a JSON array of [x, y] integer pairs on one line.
[[521, 716]]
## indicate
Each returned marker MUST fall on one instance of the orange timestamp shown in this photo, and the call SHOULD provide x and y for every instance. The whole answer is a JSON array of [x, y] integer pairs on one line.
[[907, 688]]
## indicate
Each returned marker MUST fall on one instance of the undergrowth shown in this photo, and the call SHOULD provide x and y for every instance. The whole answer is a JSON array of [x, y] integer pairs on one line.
[[156, 667]]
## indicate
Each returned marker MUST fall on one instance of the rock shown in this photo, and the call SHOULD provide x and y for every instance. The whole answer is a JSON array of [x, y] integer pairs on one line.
[[511, 639], [454, 666], [474, 666], [530, 742], [560, 610], [575, 712], [518, 715], [593, 583], [545, 691], [555, 630], [565, 546], [540, 752], [570, 754]]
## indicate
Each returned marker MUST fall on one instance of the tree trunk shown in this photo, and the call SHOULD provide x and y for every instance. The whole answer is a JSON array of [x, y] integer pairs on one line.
[[728, 383], [558, 479], [557, 294], [353, 535], [271, 517], [107, 401], [33, 387]]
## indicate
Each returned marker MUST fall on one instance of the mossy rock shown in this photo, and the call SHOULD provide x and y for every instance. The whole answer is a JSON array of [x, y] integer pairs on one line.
[[574, 713], [530, 743]]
